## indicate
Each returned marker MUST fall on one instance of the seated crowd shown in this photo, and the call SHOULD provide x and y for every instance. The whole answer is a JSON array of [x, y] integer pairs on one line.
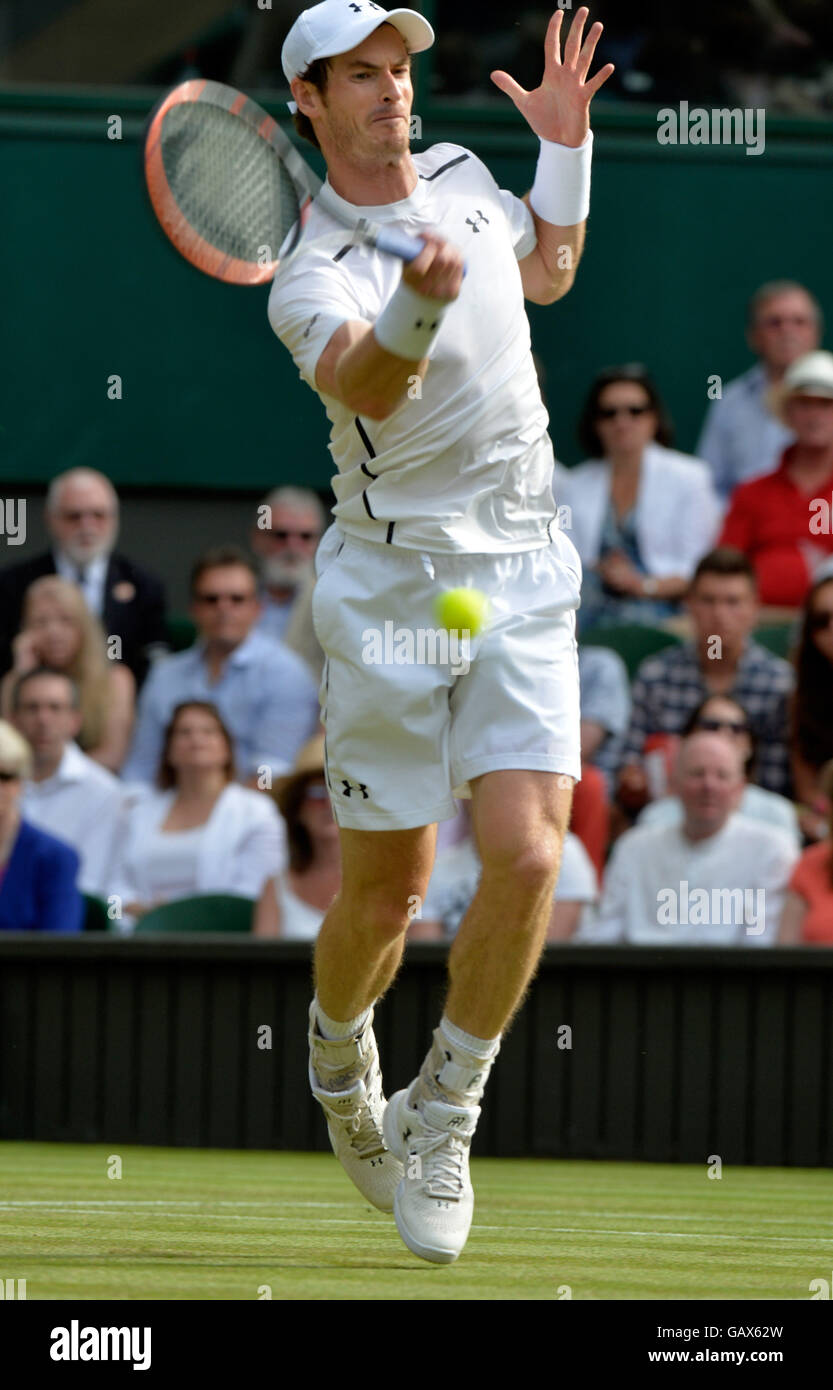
[[142, 777]]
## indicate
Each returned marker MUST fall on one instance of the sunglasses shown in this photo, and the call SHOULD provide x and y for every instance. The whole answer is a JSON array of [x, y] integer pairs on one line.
[[713, 726], [214, 599], [93, 512], [9, 776], [819, 621], [278, 535], [609, 412]]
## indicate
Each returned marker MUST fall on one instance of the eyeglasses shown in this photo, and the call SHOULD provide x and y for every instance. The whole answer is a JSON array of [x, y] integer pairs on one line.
[[280, 535], [9, 776], [821, 620], [94, 512], [214, 599], [781, 320], [609, 412], [713, 726]]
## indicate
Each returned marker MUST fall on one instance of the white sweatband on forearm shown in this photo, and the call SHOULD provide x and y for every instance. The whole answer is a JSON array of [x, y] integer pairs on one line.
[[561, 191], [409, 323]]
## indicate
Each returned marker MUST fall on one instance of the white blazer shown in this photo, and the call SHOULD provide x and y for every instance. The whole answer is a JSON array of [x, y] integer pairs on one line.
[[244, 844], [678, 512]]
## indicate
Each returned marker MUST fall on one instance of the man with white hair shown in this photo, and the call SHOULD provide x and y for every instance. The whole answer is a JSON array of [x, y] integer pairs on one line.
[[82, 518], [284, 540], [717, 879]]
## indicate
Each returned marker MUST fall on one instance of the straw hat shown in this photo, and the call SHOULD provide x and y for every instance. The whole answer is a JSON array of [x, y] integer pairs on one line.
[[810, 375], [308, 763]]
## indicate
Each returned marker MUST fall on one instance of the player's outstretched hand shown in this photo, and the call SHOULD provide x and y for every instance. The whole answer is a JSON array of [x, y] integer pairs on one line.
[[559, 110], [437, 272]]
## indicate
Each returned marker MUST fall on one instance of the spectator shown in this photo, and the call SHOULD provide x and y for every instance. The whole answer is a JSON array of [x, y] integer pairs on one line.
[[741, 437], [293, 519], [199, 832], [263, 691], [772, 519], [715, 880], [293, 904], [456, 876], [811, 716], [37, 872], [721, 660], [82, 518], [720, 714], [808, 910], [605, 707], [60, 632], [66, 793], [626, 503]]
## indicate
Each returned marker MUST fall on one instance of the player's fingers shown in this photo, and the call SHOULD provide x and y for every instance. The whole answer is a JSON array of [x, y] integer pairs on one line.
[[552, 42], [601, 77], [444, 276], [508, 85], [588, 48], [574, 37]]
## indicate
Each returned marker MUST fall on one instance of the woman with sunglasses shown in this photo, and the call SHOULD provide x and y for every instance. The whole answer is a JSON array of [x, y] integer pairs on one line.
[[38, 890], [292, 904], [807, 916], [812, 708], [198, 831], [639, 513], [721, 714]]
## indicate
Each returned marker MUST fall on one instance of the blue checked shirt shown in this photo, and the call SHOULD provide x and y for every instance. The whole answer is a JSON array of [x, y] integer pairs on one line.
[[669, 686], [741, 438]]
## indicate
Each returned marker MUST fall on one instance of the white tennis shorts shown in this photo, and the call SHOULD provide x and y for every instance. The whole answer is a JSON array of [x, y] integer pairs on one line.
[[412, 713]]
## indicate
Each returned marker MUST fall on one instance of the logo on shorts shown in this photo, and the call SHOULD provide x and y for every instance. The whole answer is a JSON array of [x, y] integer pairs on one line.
[[349, 787]]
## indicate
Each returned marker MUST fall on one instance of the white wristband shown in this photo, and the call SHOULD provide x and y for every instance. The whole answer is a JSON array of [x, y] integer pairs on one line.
[[409, 323], [561, 191]]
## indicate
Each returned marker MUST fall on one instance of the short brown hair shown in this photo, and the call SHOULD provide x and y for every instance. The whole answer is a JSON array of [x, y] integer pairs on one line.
[[318, 75], [166, 776], [222, 557], [725, 560]]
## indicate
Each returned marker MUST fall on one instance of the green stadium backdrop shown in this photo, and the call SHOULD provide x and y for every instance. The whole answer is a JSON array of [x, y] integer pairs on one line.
[[678, 238]]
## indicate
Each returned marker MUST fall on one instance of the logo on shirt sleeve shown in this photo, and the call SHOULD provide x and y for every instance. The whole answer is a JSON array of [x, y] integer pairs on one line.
[[474, 222]]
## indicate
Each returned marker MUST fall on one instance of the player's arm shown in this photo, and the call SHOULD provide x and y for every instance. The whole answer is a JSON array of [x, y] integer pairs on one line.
[[369, 367], [559, 113]]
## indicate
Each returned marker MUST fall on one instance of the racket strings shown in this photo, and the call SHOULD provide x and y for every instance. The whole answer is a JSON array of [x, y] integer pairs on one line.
[[229, 184]]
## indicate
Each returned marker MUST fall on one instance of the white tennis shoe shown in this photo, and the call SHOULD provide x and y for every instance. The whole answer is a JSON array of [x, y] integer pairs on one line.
[[434, 1201], [347, 1082]]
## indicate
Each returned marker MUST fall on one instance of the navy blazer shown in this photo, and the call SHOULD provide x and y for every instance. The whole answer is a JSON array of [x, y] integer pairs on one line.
[[38, 892]]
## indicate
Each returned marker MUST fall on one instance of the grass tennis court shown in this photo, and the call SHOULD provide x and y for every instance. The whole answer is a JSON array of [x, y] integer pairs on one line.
[[212, 1224]]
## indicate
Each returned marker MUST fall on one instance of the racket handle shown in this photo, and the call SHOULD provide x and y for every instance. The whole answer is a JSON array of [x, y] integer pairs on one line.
[[398, 244]]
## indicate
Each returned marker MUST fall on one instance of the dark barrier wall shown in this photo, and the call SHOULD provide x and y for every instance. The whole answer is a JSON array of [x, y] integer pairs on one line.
[[674, 1055], [679, 237]]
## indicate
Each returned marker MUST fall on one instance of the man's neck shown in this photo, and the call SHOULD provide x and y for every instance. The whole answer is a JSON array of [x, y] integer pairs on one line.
[[46, 765], [723, 665], [215, 656], [810, 465], [372, 185], [696, 833]]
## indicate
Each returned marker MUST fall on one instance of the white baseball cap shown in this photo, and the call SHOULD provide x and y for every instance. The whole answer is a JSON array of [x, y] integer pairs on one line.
[[810, 375], [336, 26]]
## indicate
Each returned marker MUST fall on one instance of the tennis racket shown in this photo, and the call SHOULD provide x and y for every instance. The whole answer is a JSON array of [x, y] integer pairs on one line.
[[230, 189]]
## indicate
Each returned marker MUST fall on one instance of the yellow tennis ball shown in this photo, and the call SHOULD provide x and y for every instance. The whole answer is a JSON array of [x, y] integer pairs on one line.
[[462, 609]]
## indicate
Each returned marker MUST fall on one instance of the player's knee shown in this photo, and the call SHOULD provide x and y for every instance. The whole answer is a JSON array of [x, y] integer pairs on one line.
[[529, 863], [382, 916]]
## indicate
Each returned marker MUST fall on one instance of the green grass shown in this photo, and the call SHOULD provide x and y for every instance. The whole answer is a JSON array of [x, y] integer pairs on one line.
[[212, 1224]]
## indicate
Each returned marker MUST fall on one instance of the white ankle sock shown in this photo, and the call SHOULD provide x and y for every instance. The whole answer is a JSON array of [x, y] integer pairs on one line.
[[483, 1048], [334, 1030]]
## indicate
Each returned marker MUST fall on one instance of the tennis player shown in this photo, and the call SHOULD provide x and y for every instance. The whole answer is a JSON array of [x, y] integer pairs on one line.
[[444, 475]]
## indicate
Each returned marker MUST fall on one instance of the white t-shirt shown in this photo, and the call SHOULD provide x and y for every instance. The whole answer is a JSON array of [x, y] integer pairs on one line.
[[456, 875], [300, 921], [467, 464], [662, 889]]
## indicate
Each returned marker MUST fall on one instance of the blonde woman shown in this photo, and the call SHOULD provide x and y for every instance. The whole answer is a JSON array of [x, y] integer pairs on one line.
[[38, 873], [59, 631]]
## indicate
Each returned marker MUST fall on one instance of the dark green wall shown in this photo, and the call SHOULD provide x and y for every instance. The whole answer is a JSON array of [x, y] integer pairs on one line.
[[678, 238]]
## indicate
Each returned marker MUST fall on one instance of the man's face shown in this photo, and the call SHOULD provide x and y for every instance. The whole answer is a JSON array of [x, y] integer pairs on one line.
[[286, 551], [724, 606], [45, 715], [709, 782], [811, 420], [85, 521], [785, 328], [225, 606], [365, 112]]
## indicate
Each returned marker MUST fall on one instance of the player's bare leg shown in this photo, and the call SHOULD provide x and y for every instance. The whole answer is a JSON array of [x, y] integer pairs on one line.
[[357, 954], [519, 821]]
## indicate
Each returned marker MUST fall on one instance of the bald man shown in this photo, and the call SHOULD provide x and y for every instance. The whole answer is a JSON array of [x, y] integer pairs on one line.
[[717, 879], [82, 518]]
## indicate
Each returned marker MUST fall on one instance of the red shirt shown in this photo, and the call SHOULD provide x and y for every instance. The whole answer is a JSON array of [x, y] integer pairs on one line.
[[768, 518], [812, 881]]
